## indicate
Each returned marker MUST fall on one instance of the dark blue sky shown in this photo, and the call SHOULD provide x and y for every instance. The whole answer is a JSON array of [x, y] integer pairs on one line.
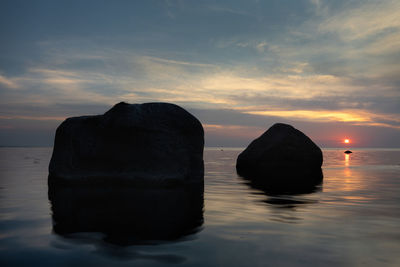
[[330, 68]]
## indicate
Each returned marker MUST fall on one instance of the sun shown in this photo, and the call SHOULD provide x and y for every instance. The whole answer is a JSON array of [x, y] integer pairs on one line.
[[346, 141]]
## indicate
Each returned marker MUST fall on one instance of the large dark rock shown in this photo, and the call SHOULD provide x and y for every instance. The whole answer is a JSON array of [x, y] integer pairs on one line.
[[283, 159], [142, 144]]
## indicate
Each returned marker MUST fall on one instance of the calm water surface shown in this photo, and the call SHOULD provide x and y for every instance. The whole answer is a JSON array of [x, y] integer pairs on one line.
[[352, 220]]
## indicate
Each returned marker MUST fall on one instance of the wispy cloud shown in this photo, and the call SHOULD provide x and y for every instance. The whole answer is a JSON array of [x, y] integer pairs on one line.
[[358, 117], [9, 83], [371, 18], [388, 44], [38, 118], [150, 78], [229, 131]]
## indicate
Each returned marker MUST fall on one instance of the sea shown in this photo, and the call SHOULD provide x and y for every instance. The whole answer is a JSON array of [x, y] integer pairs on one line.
[[351, 219]]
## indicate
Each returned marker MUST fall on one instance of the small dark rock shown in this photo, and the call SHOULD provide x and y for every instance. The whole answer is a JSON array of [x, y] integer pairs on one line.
[[348, 152], [142, 144], [283, 159]]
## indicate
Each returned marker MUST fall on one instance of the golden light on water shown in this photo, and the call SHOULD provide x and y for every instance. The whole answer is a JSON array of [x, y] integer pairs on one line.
[[346, 160]]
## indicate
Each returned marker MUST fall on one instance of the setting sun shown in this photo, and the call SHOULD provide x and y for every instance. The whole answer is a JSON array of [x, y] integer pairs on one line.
[[346, 141]]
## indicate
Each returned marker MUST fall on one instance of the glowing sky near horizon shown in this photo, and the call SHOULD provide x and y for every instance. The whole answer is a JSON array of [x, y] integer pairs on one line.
[[330, 68]]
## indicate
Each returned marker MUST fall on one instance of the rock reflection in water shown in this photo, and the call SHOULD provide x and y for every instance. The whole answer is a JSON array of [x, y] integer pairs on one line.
[[285, 199], [283, 184], [125, 215], [288, 202]]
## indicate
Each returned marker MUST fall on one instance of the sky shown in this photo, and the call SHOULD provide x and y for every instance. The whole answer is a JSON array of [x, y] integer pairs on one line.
[[329, 68]]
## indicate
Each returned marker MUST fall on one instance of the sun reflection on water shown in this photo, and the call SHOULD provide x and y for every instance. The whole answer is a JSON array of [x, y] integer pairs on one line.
[[346, 160], [344, 175]]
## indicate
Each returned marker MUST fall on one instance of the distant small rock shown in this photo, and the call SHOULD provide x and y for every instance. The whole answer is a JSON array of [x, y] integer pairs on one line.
[[283, 158], [348, 152], [149, 144]]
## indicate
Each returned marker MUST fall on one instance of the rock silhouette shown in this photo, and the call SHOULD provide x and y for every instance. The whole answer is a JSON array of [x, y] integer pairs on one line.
[[282, 160], [141, 144], [348, 152]]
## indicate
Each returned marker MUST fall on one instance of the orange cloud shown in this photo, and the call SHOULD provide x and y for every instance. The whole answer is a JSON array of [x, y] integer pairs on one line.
[[356, 117]]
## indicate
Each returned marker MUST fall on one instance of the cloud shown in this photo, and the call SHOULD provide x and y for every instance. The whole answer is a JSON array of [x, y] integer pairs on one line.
[[262, 46], [9, 83], [367, 19], [177, 62], [34, 118], [237, 131], [356, 117], [293, 93], [388, 44]]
